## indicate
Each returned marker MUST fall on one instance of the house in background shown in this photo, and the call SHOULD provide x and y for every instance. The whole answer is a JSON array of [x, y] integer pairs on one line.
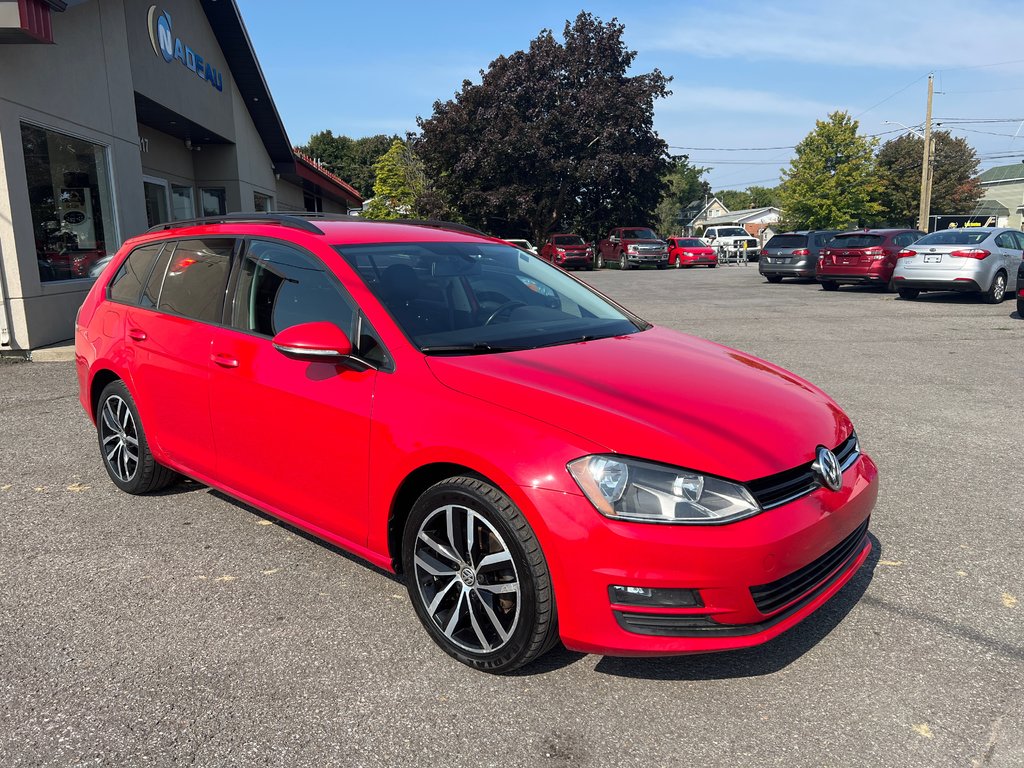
[[695, 215], [759, 222], [1004, 191]]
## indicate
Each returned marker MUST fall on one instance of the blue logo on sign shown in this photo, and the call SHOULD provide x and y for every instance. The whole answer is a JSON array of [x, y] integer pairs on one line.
[[170, 47]]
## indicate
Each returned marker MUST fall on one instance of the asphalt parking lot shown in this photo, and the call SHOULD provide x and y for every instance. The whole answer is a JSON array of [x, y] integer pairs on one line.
[[188, 629]]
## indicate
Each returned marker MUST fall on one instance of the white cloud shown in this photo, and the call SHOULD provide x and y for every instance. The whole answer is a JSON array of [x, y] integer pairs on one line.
[[689, 100]]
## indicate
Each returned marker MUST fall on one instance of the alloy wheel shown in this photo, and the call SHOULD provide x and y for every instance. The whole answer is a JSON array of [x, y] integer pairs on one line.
[[999, 288], [119, 437], [467, 579]]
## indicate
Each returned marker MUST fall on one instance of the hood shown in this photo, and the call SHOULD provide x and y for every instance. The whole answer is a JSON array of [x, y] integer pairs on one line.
[[663, 396]]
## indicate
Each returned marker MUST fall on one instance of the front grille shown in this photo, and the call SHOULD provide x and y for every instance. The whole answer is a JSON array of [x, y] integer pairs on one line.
[[783, 487], [770, 597]]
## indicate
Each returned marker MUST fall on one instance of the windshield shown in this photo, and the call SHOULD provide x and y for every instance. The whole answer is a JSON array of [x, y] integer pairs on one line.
[[856, 241], [787, 241], [954, 237], [638, 234], [691, 242], [475, 298], [568, 240], [733, 232]]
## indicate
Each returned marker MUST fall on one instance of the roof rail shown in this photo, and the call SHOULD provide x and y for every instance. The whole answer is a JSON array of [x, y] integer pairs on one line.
[[295, 220]]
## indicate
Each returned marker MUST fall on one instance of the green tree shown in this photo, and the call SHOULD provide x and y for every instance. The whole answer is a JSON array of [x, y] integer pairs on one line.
[[398, 186], [684, 183], [762, 197], [734, 199], [955, 186], [559, 135], [832, 181], [351, 159]]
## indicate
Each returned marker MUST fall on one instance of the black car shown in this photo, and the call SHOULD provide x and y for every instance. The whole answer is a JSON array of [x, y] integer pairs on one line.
[[1020, 289], [793, 254]]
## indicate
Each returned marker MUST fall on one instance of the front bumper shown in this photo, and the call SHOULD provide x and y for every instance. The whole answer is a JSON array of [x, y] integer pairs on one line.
[[647, 258], [587, 553], [573, 260]]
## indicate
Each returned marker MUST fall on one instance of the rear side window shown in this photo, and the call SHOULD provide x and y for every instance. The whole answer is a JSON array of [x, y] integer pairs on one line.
[[280, 286], [787, 241], [1006, 240], [1019, 237], [857, 241], [197, 276], [127, 284]]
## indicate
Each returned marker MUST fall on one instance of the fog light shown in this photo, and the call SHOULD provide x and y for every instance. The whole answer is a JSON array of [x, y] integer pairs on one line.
[[654, 596]]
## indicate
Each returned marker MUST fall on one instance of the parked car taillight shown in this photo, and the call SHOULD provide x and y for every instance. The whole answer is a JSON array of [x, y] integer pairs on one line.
[[906, 253], [799, 252], [874, 253], [764, 251], [970, 253]]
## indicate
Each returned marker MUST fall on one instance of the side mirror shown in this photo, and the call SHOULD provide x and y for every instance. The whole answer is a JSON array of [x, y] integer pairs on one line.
[[320, 342]]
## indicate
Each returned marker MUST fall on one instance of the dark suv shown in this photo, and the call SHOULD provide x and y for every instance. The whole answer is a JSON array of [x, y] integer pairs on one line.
[[865, 257], [793, 254]]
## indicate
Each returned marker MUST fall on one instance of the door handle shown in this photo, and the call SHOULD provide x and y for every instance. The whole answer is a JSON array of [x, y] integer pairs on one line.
[[136, 334], [224, 361]]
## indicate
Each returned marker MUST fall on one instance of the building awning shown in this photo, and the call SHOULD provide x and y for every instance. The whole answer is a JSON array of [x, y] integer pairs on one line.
[[28, 21], [311, 175]]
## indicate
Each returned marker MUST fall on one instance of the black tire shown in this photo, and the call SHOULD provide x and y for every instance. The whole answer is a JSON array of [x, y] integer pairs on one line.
[[908, 293], [118, 426], [589, 266], [1020, 304], [623, 261], [829, 285], [997, 291], [600, 261], [773, 278], [712, 266], [480, 627], [663, 266]]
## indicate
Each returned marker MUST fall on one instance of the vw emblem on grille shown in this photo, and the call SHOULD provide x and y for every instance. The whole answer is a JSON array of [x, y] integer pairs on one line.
[[828, 469]]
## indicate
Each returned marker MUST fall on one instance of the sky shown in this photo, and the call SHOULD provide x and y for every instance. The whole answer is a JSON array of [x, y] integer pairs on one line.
[[749, 78]]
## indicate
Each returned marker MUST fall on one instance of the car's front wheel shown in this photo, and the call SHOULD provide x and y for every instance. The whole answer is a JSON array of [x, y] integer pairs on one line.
[[623, 261], [123, 443], [997, 291], [477, 577], [600, 261]]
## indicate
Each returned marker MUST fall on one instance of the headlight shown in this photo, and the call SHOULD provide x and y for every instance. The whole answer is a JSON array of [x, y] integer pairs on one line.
[[632, 248], [630, 489]]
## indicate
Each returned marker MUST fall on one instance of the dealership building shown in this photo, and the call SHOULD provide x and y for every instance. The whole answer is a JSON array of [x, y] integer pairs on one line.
[[117, 116]]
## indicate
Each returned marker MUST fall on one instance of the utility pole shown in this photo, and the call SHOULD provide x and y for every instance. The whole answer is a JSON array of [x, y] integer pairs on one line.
[[926, 163]]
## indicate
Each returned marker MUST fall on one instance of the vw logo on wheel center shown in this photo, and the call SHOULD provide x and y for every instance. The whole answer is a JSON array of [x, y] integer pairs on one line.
[[828, 469]]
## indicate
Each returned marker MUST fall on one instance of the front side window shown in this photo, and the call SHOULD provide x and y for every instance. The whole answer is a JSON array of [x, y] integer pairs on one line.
[[280, 286], [70, 200], [196, 278], [474, 298]]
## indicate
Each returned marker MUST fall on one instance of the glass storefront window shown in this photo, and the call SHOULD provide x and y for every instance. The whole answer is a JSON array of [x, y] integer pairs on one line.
[[261, 203], [69, 194], [155, 191], [182, 204], [214, 201]]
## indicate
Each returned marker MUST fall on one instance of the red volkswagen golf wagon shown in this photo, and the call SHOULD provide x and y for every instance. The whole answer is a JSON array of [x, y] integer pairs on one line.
[[452, 408]]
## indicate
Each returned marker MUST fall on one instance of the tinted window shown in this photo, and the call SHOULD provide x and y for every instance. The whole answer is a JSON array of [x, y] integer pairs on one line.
[[639, 234], [568, 240], [133, 273], [690, 242], [907, 238], [1006, 240], [787, 241], [1019, 237], [196, 278], [857, 241], [954, 237], [821, 238], [280, 286], [732, 232]]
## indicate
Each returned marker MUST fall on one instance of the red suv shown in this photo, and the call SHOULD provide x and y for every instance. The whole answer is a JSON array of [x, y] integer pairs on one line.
[[867, 257], [568, 251], [450, 407]]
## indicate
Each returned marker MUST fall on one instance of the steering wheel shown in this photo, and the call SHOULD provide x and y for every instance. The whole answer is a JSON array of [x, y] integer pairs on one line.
[[508, 305]]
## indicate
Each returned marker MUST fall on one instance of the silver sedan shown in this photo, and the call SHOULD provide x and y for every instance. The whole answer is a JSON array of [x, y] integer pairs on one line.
[[980, 260]]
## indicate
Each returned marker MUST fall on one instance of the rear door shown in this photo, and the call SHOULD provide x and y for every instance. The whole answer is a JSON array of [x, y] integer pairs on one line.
[[291, 434], [1010, 255], [169, 338]]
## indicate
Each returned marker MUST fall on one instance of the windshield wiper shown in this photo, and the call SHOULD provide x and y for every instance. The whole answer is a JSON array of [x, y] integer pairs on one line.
[[573, 340], [478, 348]]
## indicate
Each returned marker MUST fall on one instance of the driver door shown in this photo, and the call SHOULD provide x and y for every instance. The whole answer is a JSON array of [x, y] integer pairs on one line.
[[291, 435]]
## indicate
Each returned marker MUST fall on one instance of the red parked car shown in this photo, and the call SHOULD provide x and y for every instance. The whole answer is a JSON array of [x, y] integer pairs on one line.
[[452, 408], [690, 252], [568, 252], [867, 257]]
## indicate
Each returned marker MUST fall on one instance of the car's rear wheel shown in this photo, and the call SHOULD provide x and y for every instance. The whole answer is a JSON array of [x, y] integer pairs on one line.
[[908, 293], [1020, 304], [477, 577], [773, 278], [829, 285], [997, 291], [123, 444]]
